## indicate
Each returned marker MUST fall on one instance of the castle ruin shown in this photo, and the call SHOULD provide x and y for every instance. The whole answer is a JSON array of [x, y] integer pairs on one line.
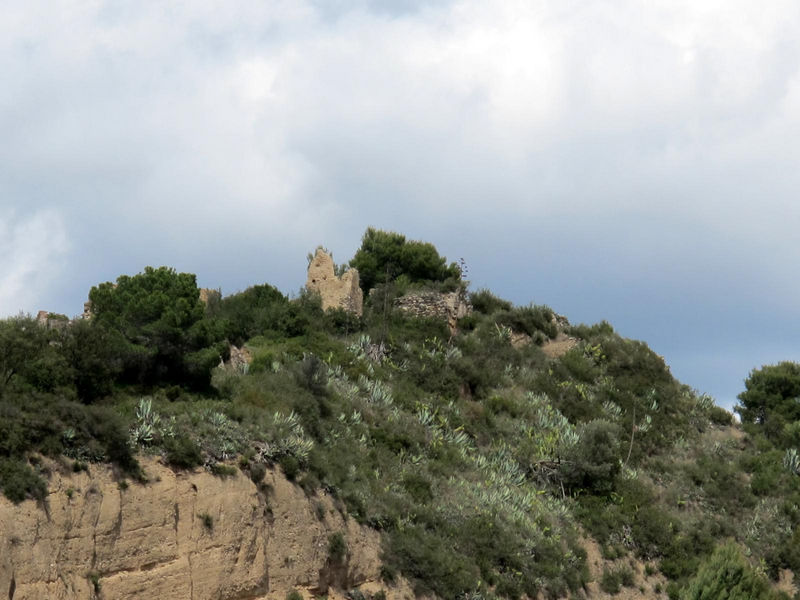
[[336, 292]]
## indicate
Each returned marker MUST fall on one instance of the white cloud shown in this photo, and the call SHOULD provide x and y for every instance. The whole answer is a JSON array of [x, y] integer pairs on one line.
[[33, 250]]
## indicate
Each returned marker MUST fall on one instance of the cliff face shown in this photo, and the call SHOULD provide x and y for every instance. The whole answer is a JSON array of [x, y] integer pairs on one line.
[[182, 536]]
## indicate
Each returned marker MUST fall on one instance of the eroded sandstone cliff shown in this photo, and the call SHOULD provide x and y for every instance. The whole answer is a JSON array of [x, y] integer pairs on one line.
[[183, 536]]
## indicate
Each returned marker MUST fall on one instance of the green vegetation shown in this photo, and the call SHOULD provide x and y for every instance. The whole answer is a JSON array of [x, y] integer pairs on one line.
[[94, 579], [481, 463], [207, 520], [337, 548], [614, 579], [770, 401], [293, 594], [386, 255], [727, 574], [157, 320]]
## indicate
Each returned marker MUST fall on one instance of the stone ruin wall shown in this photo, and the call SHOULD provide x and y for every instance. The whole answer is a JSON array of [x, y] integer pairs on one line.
[[336, 292], [448, 307], [209, 296]]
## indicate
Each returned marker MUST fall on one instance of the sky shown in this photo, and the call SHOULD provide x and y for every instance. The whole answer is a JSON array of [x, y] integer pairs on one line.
[[630, 161]]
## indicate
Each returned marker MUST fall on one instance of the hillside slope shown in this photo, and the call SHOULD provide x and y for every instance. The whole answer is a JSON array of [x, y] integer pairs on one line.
[[485, 450]]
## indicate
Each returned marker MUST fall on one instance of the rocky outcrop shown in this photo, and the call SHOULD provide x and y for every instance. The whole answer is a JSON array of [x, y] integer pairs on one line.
[[183, 535], [51, 320], [239, 360], [559, 346], [449, 307], [336, 292]]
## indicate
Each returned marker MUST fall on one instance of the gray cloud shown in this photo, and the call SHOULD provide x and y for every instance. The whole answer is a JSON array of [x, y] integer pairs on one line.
[[615, 161]]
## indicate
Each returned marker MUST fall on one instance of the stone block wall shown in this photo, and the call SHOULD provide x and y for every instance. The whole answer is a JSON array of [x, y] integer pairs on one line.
[[449, 307]]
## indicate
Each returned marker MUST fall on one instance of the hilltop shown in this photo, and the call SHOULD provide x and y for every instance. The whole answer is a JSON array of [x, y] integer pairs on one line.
[[482, 449]]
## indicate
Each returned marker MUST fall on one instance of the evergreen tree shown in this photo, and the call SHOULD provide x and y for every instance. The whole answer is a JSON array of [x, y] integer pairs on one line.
[[728, 576]]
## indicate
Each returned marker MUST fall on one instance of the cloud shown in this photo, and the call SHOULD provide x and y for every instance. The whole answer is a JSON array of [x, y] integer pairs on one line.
[[616, 160], [32, 248]]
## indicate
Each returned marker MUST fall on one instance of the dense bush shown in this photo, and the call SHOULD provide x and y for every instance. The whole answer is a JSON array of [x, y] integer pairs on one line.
[[613, 579], [27, 358], [595, 461], [337, 548], [529, 319], [182, 452], [18, 481], [430, 561], [720, 416], [484, 301], [257, 310], [93, 353]]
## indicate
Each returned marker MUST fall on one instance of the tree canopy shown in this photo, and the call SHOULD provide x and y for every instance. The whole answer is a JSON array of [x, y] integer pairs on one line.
[[22, 342], [159, 321], [256, 310], [386, 255], [772, 396]]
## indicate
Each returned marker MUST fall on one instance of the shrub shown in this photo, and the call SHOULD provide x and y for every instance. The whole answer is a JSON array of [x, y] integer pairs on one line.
[[613, 579], [110, 430], [593, 463], [293, 594], [207, 519], [591, 332], [94, 354], [337, 548], [418, 487], [94, 579], [290, 466], [222, 470], [727, 574], [529, 319], [720, 416], [18, 481], [652, 530], [343, 322], [431, 562], [257, 471], [312, 374], [483, 301], [21, 342], [182, 451]]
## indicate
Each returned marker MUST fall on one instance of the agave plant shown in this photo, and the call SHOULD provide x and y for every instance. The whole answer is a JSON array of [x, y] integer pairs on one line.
[[146, 427], [612, 410], [377, 392], [503, 332], [791, 461]]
